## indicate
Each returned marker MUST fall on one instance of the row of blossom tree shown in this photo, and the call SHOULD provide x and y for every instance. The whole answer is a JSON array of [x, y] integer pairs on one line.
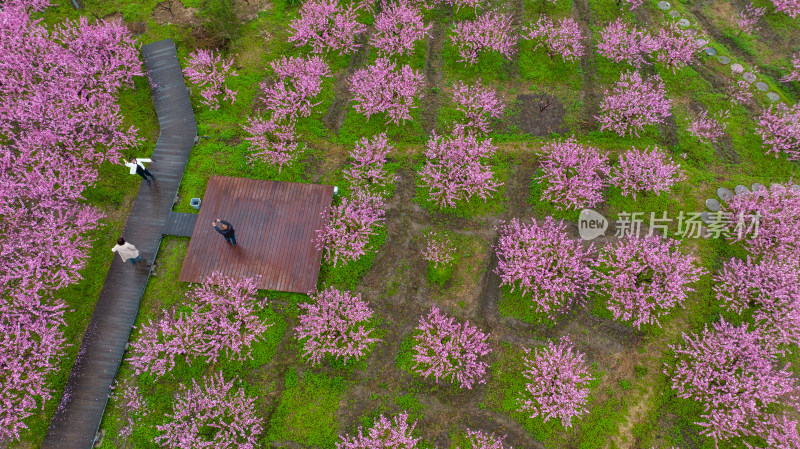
[[334, 325], [58, 122]]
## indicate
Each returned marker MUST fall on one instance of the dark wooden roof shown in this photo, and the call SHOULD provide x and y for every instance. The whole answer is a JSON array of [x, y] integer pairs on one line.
[[83, 401], [274, 223]]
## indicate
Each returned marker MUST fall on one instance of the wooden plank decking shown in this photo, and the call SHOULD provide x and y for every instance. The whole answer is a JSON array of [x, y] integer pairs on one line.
[[275, 224], [180, 224], [83, 401]]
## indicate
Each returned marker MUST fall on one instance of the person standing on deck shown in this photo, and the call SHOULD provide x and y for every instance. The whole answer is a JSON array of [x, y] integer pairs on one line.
[[127, 252], [137, 168], [226, 229]]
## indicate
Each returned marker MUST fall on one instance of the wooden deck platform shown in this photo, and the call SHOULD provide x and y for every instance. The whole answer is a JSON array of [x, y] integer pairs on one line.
[[84, 398], [275, 224]]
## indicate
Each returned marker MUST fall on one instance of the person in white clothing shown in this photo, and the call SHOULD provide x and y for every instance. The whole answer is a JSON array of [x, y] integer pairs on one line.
[[127, 252], [137, 167]]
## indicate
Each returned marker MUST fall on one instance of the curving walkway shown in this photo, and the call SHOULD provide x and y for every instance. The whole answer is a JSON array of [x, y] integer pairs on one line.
[[83, 401]]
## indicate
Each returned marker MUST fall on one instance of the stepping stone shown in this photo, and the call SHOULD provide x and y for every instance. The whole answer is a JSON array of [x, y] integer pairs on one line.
[[756, 186], [795, 187], [741, 190], [724, 194], [762, 86], [737, 68], [701, 42], [713, 205], [683, 22], [710, 51], [773, 96], [724, 59], [691, 31], [749, 77], [674, 14], [664, 5], [706, 217]]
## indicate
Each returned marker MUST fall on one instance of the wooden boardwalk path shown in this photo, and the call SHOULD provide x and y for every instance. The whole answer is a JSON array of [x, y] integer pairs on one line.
[[180, 224], [275, 224], [83, 401]]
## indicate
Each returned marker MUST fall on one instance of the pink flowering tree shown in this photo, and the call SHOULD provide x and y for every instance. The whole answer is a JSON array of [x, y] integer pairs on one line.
[[31, 344], [677, 46], [369, 157], [779, 433], [733, 373], [297, 81], [385, 434], [643, 279], [345, 235], [545, 264], [621, 42], [643, 171], [563, 38], [439, 249], [478, 104], [575, 174], [709, 129], [491, 31], [34, 5], [788, 7], [223, 321], [209, 70], [397, 27], [777, 227], [326, 26], [479, 439], [455, 169], [747, 19], [59, 120], [769, 288], [446, 348], [631, 4], [380, 88], [335, 324], [794, 75], [634, 102], [272, 141], [779, 128], [129, 399], [740, 92], [558, 386], [212, 415]]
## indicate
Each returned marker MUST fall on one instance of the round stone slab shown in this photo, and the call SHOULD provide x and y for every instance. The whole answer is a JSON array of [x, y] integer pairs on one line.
[[749, 76], [757, 186], [741, 190], [710, 51], [712, 204], [701, 42], [706, 217], [724, 59], [762, 86], [773, 96], [664, 5], [691, 31], [737, 68], [795, 187], [724, 194], [683, 22], [674, 14]]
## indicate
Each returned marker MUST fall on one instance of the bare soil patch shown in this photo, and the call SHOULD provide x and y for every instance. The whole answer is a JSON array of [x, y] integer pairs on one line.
[[540, 114], [173, 12]]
